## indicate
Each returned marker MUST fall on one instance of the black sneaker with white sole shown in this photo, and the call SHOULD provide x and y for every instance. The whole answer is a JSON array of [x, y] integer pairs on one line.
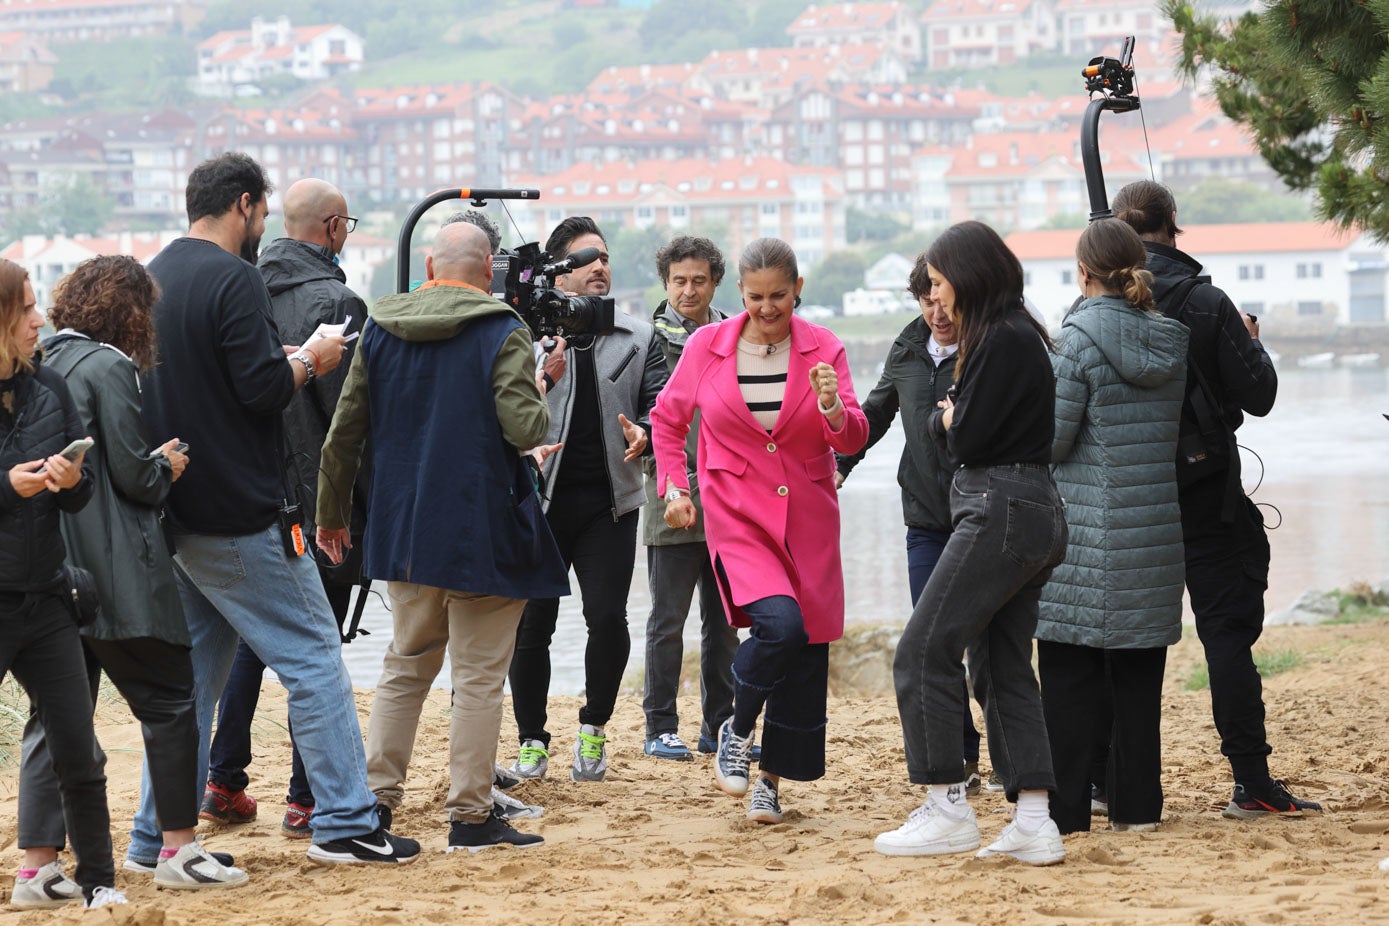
[[494, 831], [368, 849]]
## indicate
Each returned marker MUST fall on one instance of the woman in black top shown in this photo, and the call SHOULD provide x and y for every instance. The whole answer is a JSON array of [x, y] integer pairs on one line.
[[1009, 531], [38, 632]]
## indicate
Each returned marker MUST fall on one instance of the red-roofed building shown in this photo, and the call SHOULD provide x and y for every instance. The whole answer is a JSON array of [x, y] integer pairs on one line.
[[1099, 27], [868, 131], [26, 64], [414, 140], [1013, 180], [767, 77], [240, 58], [749, 197], [87, 20], [986, 33], [889, 25], [48, 260], [1298, 276]]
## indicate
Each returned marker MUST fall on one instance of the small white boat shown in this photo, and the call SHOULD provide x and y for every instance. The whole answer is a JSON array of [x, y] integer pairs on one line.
[[1317, 361], [1360, 360]]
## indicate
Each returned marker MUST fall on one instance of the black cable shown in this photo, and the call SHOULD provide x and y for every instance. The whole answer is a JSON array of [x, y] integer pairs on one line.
[[1263, 470]]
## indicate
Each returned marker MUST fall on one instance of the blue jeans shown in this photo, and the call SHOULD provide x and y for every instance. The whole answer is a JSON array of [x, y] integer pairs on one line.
[[924, 548], [247, 586]]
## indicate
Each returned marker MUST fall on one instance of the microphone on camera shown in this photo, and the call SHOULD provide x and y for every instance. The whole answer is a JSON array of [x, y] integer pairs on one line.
[[580, 258]]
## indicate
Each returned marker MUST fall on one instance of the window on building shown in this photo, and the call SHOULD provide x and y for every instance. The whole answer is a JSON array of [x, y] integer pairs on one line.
[[1309, 307], [1251, 271], [1068, 277], [1309, 271]]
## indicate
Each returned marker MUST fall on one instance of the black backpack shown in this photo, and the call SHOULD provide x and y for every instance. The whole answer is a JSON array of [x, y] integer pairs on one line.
[[1205, 441]]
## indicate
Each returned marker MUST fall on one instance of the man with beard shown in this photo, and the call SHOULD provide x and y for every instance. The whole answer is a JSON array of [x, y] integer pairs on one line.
[[223, 382]]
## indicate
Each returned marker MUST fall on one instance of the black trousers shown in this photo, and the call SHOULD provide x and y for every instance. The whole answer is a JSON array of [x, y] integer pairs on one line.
[[39, 643], [777, 667], [156, 679], [1226, 577], [602, 552], [1081, 687]]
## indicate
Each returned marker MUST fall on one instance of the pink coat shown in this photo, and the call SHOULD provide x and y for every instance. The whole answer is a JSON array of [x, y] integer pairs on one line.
[[770, 507]]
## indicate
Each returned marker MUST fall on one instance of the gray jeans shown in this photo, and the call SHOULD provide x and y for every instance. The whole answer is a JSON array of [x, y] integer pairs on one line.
[[1010, 531], [674, 571]]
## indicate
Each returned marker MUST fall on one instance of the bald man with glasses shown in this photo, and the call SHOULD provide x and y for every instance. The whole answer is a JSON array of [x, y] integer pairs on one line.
[[307, 289]]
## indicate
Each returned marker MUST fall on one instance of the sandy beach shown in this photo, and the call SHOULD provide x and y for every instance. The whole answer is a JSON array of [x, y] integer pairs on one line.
[[657, 843]]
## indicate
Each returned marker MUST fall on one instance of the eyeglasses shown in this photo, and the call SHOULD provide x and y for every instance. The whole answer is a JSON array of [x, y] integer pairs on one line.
[[351, 222]]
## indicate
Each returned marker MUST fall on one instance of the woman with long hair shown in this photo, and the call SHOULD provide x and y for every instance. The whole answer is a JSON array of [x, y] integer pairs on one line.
[[1114, 605], [105, 340], [38, 628], [775, 402], [1009, 531]]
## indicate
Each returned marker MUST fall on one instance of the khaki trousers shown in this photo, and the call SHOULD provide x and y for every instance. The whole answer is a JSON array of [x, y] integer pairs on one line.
[[480, 634]]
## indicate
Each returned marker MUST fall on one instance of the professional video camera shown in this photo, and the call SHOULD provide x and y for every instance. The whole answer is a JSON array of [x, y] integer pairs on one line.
[[524, 279], [1110, 83]]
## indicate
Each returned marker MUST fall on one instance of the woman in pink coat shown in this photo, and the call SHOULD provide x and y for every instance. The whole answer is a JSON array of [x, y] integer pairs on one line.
[[775, 401]]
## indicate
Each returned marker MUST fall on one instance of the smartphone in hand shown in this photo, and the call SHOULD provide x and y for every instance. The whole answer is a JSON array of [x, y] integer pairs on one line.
[[75, 449]]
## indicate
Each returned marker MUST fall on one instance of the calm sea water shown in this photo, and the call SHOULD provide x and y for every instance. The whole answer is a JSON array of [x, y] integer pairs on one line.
[[1323, 455]]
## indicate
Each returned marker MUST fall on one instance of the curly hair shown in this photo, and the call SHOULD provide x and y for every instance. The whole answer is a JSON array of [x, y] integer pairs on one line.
[[685, 247], [109, 299]]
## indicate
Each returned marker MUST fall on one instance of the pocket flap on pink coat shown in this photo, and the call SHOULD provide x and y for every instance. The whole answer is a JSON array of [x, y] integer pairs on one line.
[[821, 467]]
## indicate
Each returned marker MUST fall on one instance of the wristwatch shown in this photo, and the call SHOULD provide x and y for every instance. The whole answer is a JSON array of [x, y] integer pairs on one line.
[[308, 366], [673, 493]]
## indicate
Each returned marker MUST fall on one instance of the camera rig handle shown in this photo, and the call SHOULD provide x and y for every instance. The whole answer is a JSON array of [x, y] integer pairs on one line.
[[478, 197], [1112, 79]]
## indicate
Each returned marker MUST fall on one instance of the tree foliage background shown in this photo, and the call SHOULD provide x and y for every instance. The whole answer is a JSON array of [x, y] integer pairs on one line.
[[1310, 80]]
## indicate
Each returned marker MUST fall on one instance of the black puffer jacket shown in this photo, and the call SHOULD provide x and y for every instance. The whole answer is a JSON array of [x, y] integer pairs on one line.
[[43, 422], [913, 383]]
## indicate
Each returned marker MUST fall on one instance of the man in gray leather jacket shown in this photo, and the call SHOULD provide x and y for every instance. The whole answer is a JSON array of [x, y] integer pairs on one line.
[[592, 493]]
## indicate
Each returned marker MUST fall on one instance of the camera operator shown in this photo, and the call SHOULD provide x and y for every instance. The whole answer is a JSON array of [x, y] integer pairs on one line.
[[1226, 549], [593, 489], [444, 385], [222, 384]]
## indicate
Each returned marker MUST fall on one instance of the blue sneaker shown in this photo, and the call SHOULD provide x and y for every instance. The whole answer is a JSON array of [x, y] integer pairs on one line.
[[669, 746], [707, 747]]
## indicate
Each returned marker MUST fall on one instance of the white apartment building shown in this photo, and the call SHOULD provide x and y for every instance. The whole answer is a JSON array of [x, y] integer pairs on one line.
[[1297, 277], [986, 33], [890, 25], [239, 58]]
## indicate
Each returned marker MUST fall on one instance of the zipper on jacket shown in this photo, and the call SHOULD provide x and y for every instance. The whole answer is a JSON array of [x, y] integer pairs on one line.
[[602, 441], [620, 367]]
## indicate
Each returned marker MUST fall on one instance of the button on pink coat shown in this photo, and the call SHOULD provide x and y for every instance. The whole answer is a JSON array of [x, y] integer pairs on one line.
[[770, 507]]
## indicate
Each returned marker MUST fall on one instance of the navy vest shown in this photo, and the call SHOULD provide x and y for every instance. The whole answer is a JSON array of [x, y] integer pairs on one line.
[[452, 503]]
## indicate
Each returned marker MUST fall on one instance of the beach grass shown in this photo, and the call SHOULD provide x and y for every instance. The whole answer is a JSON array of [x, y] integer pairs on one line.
[[1268, 662]]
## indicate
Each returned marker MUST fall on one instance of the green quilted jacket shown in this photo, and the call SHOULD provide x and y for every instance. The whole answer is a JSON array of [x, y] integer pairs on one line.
[[1120, 380]]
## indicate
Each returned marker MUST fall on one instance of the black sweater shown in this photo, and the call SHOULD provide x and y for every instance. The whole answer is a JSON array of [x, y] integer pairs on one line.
[[221, 384], [1005, 411]]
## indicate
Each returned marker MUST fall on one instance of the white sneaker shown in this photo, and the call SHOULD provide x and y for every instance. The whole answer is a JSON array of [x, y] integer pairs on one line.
[[533, 760], [193, 868], [931, 831], [509, 808], [48, 888], [1040, 848], [104, 897]]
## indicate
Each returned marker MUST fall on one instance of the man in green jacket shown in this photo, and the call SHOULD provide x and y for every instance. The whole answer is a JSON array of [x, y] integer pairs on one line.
[[444, 383], [678, 560]]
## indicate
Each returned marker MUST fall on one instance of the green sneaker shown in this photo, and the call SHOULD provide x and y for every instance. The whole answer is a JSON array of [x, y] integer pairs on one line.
[[590, 755], [533, 760]]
